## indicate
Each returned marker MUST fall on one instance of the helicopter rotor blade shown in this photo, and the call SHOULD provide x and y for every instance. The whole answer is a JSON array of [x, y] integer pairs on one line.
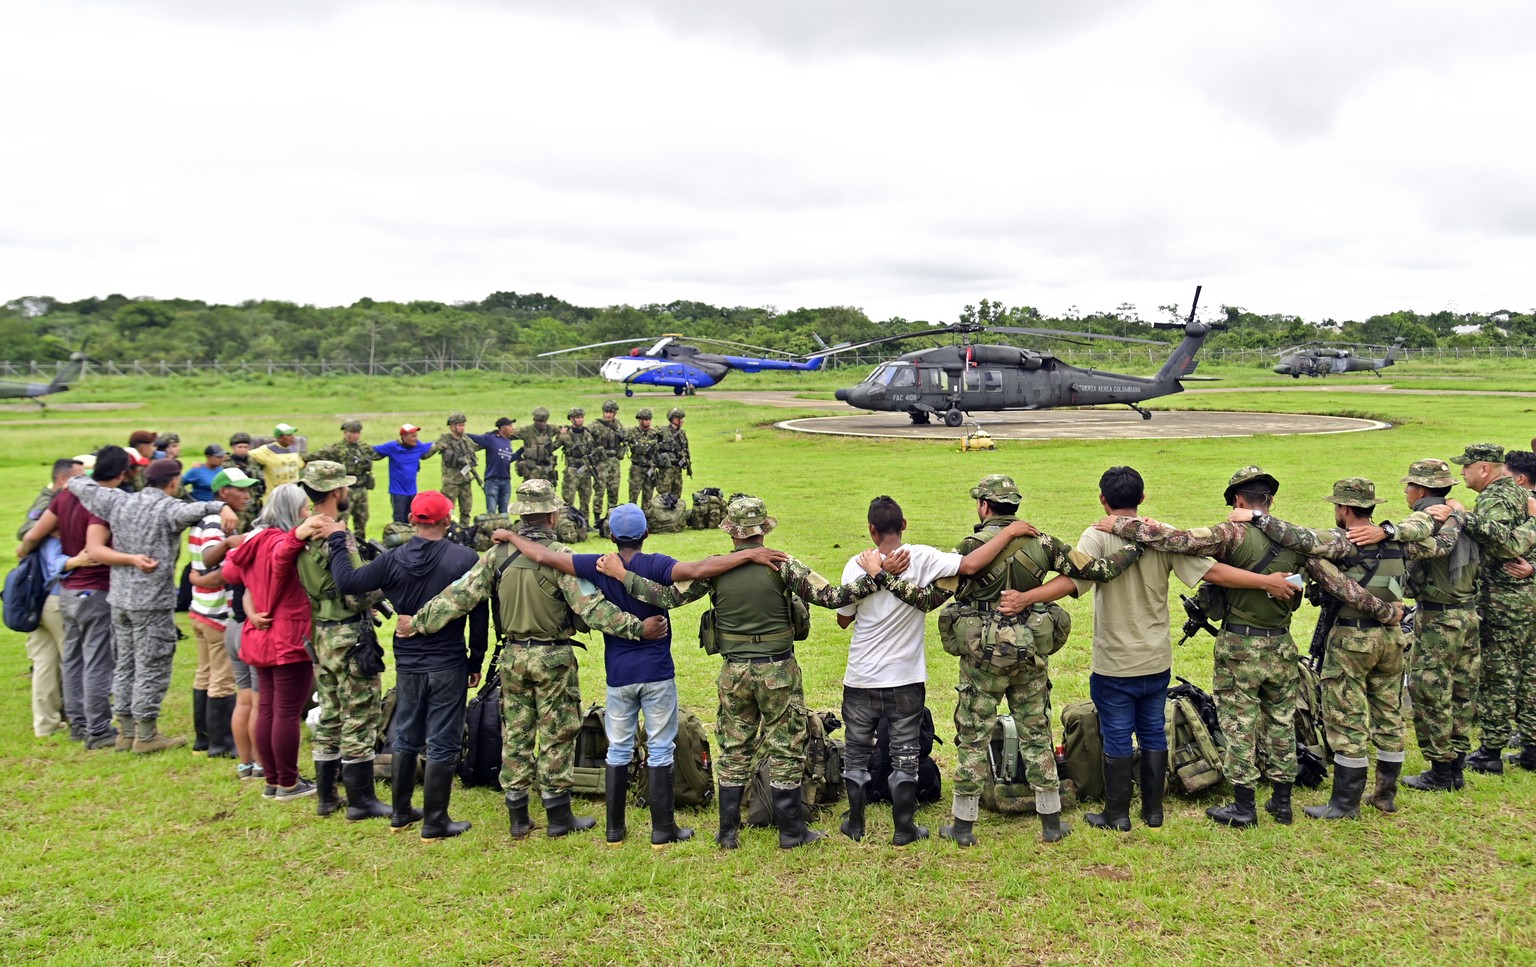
[[947, 330], [595, 345], [739, 345], [1070, 334]]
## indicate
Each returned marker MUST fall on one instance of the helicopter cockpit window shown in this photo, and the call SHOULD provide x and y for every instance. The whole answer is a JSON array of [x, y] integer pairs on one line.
[[992, 379], [903, 376], [880, 376]]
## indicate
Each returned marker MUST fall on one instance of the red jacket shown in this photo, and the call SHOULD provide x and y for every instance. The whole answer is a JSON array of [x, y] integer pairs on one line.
[[265, 564]]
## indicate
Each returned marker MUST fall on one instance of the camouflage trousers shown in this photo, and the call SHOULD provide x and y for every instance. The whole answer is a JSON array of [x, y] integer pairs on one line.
[[982, 690], [605, 488], [1507, 688], [461, 492], [578, 487], [541, 711], [669, 480], [761, 707], [351, 712], [538, 471], [145, 642], [642, 484], [359, 511], [1363, 693], [1254, 682], [1442, 681]]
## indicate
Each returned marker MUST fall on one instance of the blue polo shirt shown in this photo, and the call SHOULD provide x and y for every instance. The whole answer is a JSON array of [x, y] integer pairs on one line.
[[632, 662], [200, 479], [404, 465]]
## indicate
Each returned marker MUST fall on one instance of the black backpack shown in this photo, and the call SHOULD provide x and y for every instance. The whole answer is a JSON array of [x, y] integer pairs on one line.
[[929, 778], [25, 594], [480, 764]]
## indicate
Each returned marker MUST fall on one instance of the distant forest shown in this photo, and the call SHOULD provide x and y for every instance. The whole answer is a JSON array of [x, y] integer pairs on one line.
[[511, 325]]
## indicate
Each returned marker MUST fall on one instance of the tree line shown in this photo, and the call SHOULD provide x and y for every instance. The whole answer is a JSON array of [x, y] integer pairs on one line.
[[512, 325]]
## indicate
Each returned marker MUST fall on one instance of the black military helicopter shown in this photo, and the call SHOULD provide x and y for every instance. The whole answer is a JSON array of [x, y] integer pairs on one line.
[[950, 381], [1324, 359], [14, 389]]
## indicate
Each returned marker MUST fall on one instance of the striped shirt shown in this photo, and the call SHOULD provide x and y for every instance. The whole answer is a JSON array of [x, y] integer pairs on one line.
[[209, 605]]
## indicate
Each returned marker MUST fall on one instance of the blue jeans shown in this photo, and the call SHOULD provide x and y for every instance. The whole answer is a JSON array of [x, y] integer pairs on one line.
[[400, 507], [622, 719], [1131, 704], [430, 708], [498, 494]]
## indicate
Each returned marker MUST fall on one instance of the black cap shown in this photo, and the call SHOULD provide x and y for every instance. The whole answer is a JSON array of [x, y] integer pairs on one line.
[[505, 422], [213, 450]]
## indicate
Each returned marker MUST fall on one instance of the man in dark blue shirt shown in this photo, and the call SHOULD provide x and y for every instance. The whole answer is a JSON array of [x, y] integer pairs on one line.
[[499, 457], [641, 677]]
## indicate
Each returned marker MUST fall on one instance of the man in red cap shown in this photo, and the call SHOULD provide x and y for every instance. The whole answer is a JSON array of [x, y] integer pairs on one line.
[[405, 456]]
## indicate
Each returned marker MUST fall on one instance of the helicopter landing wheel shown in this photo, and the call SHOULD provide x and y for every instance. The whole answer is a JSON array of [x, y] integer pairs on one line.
[[628, 391], [677, 391], [953, 418], [1146, 414]]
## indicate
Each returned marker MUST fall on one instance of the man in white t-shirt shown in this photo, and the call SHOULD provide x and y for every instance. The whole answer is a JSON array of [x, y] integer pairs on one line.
[[887, 668]]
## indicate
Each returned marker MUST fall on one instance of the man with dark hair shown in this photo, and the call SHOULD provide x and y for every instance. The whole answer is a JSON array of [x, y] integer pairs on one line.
[[240, 457], [498, 464], [351, 452], [405, 456], [198, 479], [62, 470], [45, 643], [456, 457], [431, 672]]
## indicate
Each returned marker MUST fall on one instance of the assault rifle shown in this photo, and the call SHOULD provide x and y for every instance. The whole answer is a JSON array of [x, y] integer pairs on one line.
[[1197, 621], [1325, 620]]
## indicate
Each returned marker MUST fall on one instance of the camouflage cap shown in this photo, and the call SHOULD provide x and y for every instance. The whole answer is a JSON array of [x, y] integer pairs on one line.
[[1354, 492], [998, 487], [352, 426], [397, 533], [235, 439], [643, 413], [1481, 453], [457, 418], [166, 439], [676, 413], [747, 516], [610, 406], [1248, 474], [535, 497], [541, 412], [1430, 473], [325, 476], [574, 412]]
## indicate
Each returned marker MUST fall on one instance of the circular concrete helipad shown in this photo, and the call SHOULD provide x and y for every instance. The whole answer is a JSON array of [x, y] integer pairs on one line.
[[1087, 424]]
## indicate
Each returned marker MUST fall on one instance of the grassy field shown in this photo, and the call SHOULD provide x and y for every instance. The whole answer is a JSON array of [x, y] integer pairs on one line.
[[111, 858]]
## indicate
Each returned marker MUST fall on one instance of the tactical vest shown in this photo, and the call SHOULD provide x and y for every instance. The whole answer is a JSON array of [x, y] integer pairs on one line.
[[1381, 570], [1022, 566], [1429, 581], [672, 450], [642, 446], [580, 447], [752, 617], [529, 602], [358, 459], [538, 446], [1250, 606], [608, 437], [326, 603], [456, 452]]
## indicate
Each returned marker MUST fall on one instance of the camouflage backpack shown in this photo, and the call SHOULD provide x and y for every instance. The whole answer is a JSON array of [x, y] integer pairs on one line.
[[693, 772], [1006, 788], [1195, 742], [397, 534], [485, 526], [589, 774], [1312, 751], [572, 527], [708, 509], [666, 514], [822, 784]]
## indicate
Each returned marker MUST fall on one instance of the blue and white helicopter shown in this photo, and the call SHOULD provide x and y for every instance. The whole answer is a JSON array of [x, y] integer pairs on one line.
[[671, 363]]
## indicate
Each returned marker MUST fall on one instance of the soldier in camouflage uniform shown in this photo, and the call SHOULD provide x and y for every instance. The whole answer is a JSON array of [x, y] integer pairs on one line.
[[672, 457], [1363, 666], [608, 435], [350, 710], [240, 456], [580, 447], [762, 705], [537, 610], [357, 457], [643, 441], [1020, 673], [540, 441], [1256, 675], [458, 460]]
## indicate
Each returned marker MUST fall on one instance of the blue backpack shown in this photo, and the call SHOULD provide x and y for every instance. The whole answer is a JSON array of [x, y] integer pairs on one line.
[[25, 594]]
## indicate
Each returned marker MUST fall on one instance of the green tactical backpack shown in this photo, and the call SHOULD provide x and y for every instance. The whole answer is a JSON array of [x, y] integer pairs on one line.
[[666, 514], [708, 509], [1312, 750], [1006, 789], [572, 527], [485, 526], [822, 784], [1195, 742], [1082, 749], [590, 775], [693, 772]]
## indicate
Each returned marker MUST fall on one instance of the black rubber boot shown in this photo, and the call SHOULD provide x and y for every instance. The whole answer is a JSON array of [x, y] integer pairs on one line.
[[199, 721], [615, 786], [402, 786], [1459, 771], [1384, 797], [961, 831], [436, 791], [221, 735], [362, 800], [729, 836], [1053, 830], [1154, 780], [563, 822], [1486, 761], [1348, 786], [517, 817], [853, 824], [1279, 803], [1439, 777], [327, 772], [1527, 759], [1238, 814], [903, 787], [789, 814], [663, 791], [1117, 796]]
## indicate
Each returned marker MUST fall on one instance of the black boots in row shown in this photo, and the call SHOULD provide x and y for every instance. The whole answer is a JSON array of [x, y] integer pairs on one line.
[[903, 788], [788, 815], [662, 794], [362, 801], [1117, 791], [213, 735]]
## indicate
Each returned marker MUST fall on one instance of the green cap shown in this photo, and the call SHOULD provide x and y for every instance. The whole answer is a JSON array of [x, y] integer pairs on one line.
[[747, 516], [239, 437], [541, 412], [352, 426], [643, 413], [998, 487], [231, 477], [535, 497], [283, 429], [457, 418], [326, 475], [676, 413], [574, 412], [1430, 473], [1247, 475], [610, 406], [1354, 492], [1481, 453]]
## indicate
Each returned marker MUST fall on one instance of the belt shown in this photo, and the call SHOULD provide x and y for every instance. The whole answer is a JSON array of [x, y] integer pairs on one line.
[[786, 634], [781, 656], [1437, 606], [1248, 631], [344, 621], [1358, 623], [534, 642]]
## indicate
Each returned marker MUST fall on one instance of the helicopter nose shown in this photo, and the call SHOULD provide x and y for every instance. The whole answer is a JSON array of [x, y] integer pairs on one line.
[[842, 395], [1282, 369]]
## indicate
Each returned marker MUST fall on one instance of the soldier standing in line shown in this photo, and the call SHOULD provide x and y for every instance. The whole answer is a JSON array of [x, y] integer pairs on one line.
[[540, 442], [643, 441], [672, 457], [580, 447], [357, 457], [536, 611], [457, 451], [240, 456], [608, 435]]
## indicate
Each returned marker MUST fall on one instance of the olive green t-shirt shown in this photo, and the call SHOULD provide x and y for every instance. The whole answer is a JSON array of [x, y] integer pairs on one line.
[[1130, 613]]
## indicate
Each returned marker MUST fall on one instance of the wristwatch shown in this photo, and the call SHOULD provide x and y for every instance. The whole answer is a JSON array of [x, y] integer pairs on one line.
[[1389, 529], [1258, 518]]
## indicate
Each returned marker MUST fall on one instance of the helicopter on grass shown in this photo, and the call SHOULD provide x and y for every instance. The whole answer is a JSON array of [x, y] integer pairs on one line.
[[684, 368], [16, 389], [950, 381], [1323, 359]]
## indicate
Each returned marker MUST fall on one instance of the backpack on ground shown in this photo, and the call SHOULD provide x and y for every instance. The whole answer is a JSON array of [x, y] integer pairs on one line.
[[929, 779], [666, 514], [589, 772], [822, 782], [25, 594], [480, 763], [384, 749], [693, 770], [1006, 788], [1195, 741], [1082, 749], [487, 525], [708, 509], [572, 527], [1312, 751]]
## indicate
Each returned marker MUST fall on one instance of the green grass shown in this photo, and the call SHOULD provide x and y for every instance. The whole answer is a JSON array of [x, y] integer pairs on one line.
[[110, 858]]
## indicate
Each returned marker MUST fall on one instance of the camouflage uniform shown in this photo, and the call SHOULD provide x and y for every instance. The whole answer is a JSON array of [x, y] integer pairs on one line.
[[253, 508], [608, 458], [458, 465], [540, 442], [350, 711], [643, 442], [580, 448], [358, 459], [672, 457]]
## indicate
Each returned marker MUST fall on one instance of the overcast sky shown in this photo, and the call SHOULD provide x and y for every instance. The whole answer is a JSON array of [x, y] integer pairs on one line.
[[903, 156]]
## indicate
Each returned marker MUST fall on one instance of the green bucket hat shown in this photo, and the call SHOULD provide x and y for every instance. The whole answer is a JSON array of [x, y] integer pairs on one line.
[[1480, 453], [997, 486], [1430, 473], [535, 497], [1247, 475], [747, 516], [1354, 492], [326, 476]]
